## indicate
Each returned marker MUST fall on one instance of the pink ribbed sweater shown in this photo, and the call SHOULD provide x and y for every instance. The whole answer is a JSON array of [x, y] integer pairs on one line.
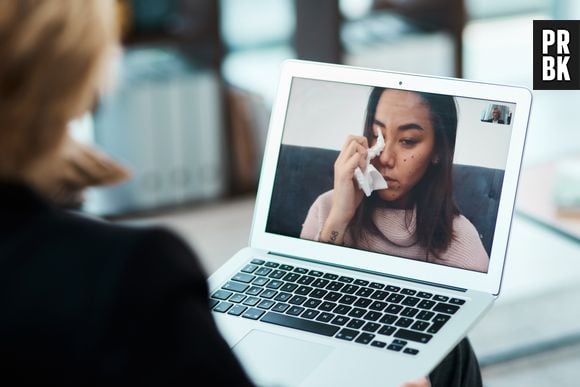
[[465, 251]]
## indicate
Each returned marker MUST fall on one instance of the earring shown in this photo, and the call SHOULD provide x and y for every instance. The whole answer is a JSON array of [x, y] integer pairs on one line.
[[435, 160]]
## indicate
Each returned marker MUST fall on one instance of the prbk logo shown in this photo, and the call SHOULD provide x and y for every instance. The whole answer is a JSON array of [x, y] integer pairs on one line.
[[556, 52]]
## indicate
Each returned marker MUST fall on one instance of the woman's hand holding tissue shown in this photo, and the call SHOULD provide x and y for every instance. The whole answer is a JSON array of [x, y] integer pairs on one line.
[[347, 195]]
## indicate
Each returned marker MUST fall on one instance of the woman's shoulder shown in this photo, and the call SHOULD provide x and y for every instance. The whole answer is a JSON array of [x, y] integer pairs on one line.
[[323, 202], [76, 237], [463, 228], [316, 216], [325, 196], [140, 255], [467, 250], [96, 231], [104, 240]]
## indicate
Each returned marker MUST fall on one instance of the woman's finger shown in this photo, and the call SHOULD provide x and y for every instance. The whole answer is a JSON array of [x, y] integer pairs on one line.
[[355, 147], [351, 164], [105, 169], [362, 140], [87, 166], [72, 174], [362, 163]]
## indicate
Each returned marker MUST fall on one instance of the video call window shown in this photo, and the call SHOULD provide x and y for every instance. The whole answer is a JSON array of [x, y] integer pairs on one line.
[[438, 171], [496, 114]]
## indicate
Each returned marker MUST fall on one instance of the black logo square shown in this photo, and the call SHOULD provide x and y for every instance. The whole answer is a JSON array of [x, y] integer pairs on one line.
[[556, 51]]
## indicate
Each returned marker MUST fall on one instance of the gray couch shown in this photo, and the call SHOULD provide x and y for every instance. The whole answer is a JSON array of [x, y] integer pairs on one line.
[[303, 173]]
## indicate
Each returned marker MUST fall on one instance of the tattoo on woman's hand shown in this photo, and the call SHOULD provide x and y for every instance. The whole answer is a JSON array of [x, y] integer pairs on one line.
[[333, 236]]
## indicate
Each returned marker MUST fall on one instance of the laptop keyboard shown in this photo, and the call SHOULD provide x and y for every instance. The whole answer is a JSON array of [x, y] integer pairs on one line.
[[368, 313]]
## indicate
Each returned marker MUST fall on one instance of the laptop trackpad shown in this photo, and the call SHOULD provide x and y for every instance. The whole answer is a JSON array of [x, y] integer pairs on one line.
[[272, 359]]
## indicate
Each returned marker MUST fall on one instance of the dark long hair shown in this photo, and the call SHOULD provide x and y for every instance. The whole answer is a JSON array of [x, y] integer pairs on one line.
[[433, 194]]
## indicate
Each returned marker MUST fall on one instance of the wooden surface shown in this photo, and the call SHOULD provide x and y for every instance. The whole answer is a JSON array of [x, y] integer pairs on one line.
[[535, 200]]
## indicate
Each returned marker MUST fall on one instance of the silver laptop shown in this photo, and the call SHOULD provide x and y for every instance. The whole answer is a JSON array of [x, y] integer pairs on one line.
[[376, 291]]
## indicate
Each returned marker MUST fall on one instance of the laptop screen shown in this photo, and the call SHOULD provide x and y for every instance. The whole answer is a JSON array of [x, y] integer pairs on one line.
[[408, 174]]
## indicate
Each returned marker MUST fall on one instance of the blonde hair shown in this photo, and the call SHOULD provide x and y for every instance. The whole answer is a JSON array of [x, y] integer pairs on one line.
[[52, 54]]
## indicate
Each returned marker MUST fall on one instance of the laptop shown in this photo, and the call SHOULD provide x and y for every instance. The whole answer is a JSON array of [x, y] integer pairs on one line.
[[301, 310]]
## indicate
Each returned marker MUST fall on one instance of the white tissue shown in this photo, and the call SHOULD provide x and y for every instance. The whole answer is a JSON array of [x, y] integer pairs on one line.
[[371, 179]]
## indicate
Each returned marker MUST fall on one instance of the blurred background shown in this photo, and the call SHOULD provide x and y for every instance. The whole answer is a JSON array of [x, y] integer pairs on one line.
[[190, 112]]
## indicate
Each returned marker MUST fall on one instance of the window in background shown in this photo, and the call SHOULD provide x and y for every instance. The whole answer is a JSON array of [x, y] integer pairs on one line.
[[418, 36], [258, 36]]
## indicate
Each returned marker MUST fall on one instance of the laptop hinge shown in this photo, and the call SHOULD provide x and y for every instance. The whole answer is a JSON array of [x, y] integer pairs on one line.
[[358, 269]]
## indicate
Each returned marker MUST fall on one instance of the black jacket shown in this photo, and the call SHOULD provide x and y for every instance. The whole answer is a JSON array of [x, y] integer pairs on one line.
[[88, 303], [84, 302]]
